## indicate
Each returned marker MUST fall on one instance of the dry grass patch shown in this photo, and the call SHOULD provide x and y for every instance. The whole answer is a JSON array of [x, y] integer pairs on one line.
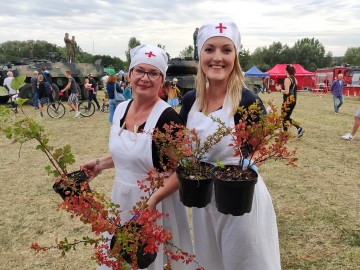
[[317, 203]]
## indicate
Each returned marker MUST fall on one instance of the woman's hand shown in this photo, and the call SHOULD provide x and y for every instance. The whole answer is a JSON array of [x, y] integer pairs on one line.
[[94, 167], [91, 168], [151, 203]]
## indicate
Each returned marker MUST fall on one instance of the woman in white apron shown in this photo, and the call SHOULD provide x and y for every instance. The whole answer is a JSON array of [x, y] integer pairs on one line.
[[226, 242], [133, 153]]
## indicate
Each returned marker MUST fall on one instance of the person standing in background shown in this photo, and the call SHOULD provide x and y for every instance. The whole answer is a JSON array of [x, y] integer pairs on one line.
[[337, 89], [196, 56], [35, 89], [265, 86], [128, 92], [12, 92], [110, 87], [43, 94], [73, 49], [173, 93], [164, 90], [93, 94], [67, 46], [47, 75]]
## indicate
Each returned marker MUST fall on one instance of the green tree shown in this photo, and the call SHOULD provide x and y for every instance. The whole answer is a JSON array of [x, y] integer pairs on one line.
[[86, 57], [310, 53], [163, 47], [133, 42], [16, 50], [112, 62], [245, 59], [352, 56], [187, 52], [257, 57]]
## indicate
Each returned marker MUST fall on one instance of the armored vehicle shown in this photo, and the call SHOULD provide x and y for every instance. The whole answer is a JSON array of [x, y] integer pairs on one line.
[[57, 70], [185, 71]]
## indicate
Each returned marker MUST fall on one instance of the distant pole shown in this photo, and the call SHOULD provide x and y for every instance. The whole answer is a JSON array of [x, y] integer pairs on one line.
[[93, 46]]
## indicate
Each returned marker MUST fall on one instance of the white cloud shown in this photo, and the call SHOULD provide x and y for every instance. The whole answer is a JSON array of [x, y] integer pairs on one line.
[[105, 27]]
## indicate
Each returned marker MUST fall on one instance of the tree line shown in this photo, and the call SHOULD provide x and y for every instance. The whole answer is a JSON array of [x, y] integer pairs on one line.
[[308, 52]]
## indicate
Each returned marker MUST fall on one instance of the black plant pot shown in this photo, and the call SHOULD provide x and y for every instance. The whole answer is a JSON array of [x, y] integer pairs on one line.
[[73, 188], [195, 193], [143, 259], [234, 196]]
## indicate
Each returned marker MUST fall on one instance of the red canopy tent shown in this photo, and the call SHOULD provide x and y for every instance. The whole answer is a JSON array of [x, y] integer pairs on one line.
[[277, 76]]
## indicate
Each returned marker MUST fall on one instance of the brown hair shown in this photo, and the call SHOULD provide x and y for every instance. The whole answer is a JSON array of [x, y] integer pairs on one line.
[[166, 84], [290, 69], [112, 79]]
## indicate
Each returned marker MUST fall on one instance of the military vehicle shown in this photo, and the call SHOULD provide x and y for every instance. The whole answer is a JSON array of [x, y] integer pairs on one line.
[[185, 71], [57, 70]]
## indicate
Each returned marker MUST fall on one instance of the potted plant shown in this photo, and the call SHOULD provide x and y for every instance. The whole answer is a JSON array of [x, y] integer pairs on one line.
[[23, 129], [136, 242], [187, 151], [256, 138]]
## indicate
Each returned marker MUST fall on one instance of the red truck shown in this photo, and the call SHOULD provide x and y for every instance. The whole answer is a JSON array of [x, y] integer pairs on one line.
[[324, 78]]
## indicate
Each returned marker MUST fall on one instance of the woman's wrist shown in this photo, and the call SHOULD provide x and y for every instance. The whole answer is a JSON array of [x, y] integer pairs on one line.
[[97, 164]]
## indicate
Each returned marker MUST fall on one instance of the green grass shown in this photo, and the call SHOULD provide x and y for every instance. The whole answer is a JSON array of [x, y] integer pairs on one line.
[[317, 203]]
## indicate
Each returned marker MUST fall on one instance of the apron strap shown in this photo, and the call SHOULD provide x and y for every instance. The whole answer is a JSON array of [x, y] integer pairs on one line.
[[155, 114]]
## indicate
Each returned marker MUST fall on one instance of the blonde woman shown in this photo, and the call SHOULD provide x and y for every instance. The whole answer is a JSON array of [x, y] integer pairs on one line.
[[226, 242]]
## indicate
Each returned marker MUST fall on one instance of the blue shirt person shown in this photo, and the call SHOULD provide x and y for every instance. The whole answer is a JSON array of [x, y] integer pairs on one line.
[[337, 89]]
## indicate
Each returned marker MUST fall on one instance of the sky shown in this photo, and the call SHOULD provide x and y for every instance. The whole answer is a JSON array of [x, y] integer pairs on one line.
[[105, 27]]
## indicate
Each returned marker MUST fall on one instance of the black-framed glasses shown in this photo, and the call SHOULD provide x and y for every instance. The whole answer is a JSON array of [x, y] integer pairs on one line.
[[152, 74]]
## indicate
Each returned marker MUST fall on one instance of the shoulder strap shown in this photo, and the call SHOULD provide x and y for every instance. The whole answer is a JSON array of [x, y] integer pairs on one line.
[[154, 115]]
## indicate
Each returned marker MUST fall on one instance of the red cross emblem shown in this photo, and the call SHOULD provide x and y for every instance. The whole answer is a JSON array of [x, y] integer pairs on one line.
[[221, 27], [150, 54]]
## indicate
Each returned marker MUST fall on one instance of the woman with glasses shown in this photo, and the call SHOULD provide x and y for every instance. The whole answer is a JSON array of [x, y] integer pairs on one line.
[[133, 152]]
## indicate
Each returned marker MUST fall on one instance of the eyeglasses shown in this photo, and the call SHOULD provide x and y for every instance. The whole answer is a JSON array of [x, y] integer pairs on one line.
[[152, 74]]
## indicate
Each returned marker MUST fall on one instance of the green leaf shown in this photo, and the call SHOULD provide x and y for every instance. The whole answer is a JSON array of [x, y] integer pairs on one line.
[[18, 82], [21, 101], [220, 164], [48, 169], [3, 91]]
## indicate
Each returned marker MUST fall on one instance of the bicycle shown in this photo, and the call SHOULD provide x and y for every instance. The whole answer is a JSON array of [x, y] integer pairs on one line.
[[55, 109], [85, 107]]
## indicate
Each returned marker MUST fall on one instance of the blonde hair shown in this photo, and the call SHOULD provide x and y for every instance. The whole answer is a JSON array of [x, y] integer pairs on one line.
[[234, 87]]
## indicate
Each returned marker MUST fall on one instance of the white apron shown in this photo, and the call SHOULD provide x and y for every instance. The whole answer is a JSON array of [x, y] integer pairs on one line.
[[132, 159], [226, 242]]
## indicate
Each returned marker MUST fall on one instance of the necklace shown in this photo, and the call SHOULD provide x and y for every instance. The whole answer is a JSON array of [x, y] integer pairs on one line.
[[137, 115]]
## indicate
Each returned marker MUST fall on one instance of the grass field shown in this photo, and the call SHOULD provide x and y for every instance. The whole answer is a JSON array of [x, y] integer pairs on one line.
[[317, 203]]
